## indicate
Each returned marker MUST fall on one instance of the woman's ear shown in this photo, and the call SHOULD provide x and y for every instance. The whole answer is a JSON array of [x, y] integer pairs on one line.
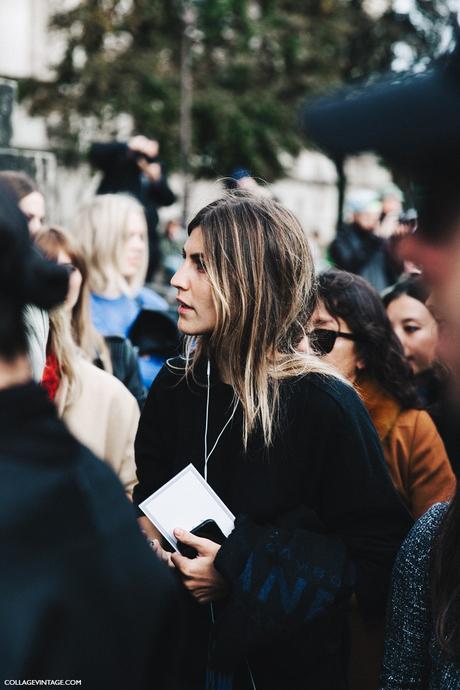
[[360, 364]]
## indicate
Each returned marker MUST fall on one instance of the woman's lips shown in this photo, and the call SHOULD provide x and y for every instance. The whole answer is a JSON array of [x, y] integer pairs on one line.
[[183, 308]]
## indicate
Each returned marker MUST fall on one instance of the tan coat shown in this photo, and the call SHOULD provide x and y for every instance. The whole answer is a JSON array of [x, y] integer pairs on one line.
[[413, 449], [103, 415]]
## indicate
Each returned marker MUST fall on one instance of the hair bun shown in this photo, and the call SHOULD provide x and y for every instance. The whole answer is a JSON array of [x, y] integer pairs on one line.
[[25, 276]]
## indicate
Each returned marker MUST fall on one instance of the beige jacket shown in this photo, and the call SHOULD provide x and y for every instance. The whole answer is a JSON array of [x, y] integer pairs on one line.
[[103, 415]]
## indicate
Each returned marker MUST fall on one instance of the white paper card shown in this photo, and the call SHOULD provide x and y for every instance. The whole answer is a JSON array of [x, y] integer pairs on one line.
[[186, 501]]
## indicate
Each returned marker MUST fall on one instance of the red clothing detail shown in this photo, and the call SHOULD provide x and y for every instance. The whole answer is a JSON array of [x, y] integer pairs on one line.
[[51, 376]]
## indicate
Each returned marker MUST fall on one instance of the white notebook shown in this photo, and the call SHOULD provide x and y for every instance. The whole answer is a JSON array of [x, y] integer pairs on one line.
[[185, 502]]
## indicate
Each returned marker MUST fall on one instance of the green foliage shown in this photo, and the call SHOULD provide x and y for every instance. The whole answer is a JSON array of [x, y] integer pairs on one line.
[[253, 62]]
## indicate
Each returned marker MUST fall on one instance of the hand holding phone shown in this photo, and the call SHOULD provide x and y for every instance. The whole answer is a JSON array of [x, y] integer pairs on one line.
[[208, 529]]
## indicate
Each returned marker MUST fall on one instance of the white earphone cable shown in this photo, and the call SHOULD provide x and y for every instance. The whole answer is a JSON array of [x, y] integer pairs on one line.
[[206, 454]]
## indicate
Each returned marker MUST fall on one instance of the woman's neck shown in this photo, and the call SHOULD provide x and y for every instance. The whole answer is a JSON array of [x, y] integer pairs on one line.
[[111, 292], [112, 289]]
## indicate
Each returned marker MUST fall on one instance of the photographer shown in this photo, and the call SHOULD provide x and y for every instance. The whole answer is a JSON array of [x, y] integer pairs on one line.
[[134, 168]]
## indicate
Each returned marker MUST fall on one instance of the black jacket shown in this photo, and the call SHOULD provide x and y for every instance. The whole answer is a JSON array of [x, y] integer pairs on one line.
[[441, 403], [81, 594], [360, 251], [125, 366], [317, 518]]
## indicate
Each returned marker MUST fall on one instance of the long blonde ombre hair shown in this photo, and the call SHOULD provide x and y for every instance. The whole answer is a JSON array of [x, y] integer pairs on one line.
[[261, 271], [101, 229]]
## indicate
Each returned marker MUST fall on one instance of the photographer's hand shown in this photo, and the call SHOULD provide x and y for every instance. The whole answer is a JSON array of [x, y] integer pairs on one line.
[[148, 147], [199, 575], [151, 170]]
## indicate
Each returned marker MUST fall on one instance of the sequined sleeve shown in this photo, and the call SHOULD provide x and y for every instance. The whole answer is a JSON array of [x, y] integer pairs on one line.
[[409, 625]]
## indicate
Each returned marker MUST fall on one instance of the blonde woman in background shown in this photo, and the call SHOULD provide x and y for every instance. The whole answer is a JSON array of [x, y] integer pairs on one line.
[[97, 408], [112, 233]]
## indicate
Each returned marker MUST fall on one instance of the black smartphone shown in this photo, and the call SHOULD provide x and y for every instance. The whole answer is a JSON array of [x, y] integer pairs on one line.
[[208, 529]]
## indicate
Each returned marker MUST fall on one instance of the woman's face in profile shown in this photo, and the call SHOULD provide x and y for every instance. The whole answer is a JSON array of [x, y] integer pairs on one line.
[[343, 355], [75, 279], [197, 313], [33, 207], [135, 245], [417, 331]]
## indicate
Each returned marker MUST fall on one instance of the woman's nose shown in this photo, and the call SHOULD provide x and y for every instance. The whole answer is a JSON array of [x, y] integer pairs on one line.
[[179, 279]]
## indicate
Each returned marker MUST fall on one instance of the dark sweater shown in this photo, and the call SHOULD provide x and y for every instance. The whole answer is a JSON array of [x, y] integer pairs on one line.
[[81, 594], [317, 518]]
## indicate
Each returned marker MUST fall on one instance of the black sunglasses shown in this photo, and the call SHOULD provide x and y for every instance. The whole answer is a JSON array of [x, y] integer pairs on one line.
[[322, 340]]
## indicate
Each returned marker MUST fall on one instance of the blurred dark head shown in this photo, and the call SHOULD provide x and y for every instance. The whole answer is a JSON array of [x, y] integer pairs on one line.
[[351, 298], [235, 177], [25, 277]]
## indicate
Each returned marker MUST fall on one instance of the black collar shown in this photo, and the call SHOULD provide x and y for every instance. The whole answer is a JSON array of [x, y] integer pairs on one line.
[[21, 403]]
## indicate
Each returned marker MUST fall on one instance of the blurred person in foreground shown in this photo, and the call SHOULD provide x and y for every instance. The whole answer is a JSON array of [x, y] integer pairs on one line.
[[32, 204], [134, 167], [81, 595], [358, 248], [413, 122]]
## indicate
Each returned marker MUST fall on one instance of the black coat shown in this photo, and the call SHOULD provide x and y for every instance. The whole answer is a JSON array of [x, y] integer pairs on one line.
[[360, 251], [81, 594], [434, 389], [125, 366], [317, 518], [121, 173]]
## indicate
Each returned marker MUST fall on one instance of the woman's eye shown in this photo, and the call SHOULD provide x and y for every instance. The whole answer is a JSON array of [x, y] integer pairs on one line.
[[201, 266], [411, 329]]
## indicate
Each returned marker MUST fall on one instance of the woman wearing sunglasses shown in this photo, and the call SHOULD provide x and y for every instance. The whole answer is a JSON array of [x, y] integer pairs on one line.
[[352, 332]]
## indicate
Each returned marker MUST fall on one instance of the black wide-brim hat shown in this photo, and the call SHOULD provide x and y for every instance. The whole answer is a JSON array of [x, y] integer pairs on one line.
[[411, 120]]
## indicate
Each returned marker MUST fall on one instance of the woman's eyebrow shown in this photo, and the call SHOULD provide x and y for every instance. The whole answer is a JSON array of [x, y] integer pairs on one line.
[[198, 256]]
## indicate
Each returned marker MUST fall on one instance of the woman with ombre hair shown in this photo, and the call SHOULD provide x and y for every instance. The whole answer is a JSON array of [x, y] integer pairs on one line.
[[286, 444]]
